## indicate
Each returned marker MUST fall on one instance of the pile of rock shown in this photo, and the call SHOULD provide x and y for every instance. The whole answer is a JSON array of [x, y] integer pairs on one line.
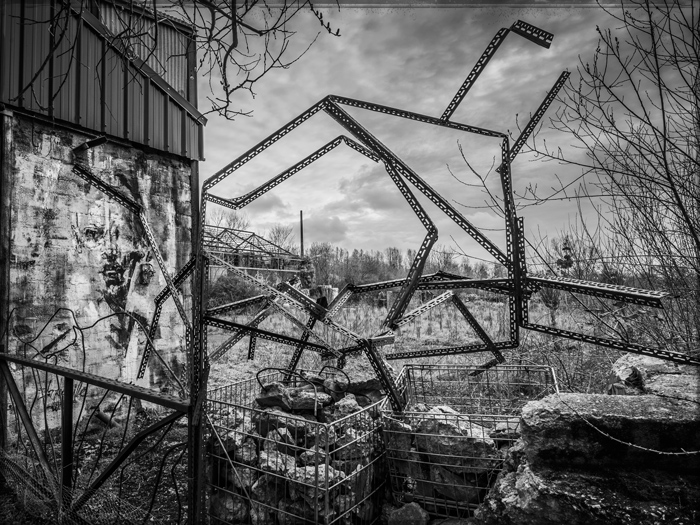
[[445, 460], [309, 453]]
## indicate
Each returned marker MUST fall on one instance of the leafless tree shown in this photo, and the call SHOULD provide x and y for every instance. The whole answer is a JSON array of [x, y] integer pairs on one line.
[[633, 115], [237, 43], [283, 236], [227, 218]]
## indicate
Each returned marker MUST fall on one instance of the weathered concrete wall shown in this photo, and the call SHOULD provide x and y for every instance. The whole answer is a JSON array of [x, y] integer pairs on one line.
[[74, 247]]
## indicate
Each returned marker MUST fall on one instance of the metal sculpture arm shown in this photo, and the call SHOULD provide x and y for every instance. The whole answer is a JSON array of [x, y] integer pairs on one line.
[[249, 197], [532, 33], [352, 126]]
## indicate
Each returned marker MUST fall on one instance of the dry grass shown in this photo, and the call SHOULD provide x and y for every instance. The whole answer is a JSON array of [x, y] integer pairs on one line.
[[579, 367]]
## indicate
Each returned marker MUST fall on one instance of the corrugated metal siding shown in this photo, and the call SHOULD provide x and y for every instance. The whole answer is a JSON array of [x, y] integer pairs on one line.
[[90, 114], [156, 117], [95, 87], [175, 131], [115, 99], [137, 92], [168, 58], [36, 48], [66, 67], [12, 52]]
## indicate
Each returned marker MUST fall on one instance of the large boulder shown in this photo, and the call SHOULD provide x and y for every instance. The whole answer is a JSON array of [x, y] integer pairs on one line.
[[593, 431], [641, 374], [225, 508], [453, 486], [353, 444], [398, 436], [312, 482], [273, 418], [451, 439], [303, 399], [275, 395], [415, 474], [276, 462], [542, 496], [410, 513]]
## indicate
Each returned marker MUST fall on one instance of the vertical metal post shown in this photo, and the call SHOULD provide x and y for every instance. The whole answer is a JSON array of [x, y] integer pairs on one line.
[[301, 231], [67, 442], [6, 178], [197, 376]]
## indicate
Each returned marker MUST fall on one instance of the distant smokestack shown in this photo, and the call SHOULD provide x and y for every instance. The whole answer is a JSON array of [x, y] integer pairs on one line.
[[301, 230]]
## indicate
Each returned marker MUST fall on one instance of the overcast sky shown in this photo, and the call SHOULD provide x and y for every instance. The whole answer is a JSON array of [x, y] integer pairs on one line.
[[414, 59]]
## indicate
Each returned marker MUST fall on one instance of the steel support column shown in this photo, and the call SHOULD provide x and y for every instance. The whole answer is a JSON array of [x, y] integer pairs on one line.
[[6, 178], [67, 442]]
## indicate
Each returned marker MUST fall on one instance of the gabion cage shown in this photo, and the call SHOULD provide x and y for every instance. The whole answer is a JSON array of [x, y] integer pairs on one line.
[[446, 449], [268, 466]]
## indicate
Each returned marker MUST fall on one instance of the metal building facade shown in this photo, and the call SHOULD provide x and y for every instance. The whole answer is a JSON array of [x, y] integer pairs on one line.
[[64, 63]]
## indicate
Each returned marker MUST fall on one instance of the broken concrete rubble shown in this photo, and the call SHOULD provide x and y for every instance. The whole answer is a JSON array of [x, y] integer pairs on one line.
[[409, 513], [453, 440], [599, 459], [591, 431]]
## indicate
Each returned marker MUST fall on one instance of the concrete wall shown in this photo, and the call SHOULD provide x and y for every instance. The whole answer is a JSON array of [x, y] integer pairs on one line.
[[73, 247]]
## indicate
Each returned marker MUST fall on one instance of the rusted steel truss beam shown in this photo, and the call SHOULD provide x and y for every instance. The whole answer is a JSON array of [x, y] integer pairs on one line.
[[138, 392]]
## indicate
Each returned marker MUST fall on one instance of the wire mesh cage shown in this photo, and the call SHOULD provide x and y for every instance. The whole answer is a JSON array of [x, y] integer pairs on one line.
[[312, 464], [446, 449]]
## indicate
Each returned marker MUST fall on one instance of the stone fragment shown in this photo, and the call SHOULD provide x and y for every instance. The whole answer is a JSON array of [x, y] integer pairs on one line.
[[276, 462], [294, 513], [538, 496], [681, 386], [361, 480], [365, 511], [451, 439], [225, 508], [247, 453], [398, 437], [280, 439], [416, 471], [269, 489], [346, 406], [410, 513], [322, 435], [353, 445], [505, 432], [261, 514], [453, 486], [312, 457], [241, 477], [313, 378], [342, 507], [386, 511], [275, 395], [308, 400], [273, 418], [309, 478], [336, 389]]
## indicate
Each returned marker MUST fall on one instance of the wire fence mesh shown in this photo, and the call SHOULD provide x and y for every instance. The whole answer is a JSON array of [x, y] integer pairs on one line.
[[322, 464], [126, 464], [446, 449]]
